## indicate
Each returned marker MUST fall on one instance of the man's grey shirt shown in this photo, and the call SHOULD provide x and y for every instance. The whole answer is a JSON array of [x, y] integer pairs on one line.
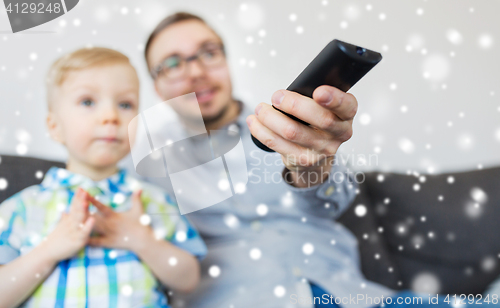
[[270, 239]]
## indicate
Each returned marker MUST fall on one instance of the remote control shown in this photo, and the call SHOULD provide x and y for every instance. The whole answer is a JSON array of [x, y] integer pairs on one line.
[[339, 64]]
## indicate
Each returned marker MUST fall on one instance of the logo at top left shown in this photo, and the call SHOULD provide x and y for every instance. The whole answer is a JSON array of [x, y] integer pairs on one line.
[[27, 14]]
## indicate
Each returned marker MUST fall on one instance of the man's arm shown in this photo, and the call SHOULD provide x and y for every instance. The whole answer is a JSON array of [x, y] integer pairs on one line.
[[330, 198]]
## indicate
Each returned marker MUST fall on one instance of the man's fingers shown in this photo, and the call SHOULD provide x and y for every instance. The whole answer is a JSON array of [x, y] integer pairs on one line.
[[343, 105], [100, 207], [273, 140], [310, 111], [291, 130]]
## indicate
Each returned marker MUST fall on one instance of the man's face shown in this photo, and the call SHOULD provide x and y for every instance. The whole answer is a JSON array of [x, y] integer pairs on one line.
[[212, 85]]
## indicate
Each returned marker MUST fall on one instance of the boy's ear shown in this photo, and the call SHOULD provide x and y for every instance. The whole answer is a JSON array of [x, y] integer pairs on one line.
[[54, 128]]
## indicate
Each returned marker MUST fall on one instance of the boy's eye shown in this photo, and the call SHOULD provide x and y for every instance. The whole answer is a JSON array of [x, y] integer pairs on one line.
[[126, 105], [87, 102]]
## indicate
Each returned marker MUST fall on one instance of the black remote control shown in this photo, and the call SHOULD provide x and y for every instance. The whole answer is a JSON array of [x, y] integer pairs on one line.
[[339, 64]]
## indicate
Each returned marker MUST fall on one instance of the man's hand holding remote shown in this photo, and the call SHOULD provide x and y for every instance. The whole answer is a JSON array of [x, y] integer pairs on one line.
[[307, 151]]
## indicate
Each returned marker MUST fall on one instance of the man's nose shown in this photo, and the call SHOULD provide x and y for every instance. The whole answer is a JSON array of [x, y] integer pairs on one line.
[[195, 68]]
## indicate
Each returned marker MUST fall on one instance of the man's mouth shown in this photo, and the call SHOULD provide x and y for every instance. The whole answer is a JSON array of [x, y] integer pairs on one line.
[[205, 95]]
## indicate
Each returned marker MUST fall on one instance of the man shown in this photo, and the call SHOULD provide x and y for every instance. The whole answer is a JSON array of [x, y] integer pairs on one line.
[[276, 238]]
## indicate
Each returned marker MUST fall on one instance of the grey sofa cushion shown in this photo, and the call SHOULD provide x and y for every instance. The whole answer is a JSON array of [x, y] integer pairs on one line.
[[449, 244], [21, 172]]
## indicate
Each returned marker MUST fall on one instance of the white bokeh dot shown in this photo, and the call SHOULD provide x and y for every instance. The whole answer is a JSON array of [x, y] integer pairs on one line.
[[127, 290], [223, 184], [112, 254], [454, 36], [180, 236], [485, 41], [279, 291], [364, 119], [21, 149], [255, 253], [308, 248], [478, 195], [240, 188], [231, 221], [172, 261], [145, 219], [214, 271], [406, 145], [262, 209], [360, 210], [436, 67], [119, 198], [250, 16]]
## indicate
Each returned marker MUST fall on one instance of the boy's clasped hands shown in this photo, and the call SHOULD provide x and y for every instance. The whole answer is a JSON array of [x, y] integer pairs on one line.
[[119, 230]]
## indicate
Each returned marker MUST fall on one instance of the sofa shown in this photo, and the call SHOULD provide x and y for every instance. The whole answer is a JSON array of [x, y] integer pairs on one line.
[[430, 233]]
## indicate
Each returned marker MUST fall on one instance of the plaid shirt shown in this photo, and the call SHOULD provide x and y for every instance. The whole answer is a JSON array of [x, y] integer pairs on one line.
[[95, 276]]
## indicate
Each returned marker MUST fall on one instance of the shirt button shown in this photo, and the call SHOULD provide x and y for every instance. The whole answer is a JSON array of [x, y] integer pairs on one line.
[[329, 191]]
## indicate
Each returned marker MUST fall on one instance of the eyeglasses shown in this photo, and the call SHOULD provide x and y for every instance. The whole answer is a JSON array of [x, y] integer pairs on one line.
[[175, 67]]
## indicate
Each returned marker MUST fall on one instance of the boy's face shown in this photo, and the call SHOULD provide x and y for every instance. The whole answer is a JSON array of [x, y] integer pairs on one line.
[[91, 112]]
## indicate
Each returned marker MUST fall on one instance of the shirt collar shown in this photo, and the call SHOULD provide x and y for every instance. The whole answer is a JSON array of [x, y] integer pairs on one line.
[[57, 178], [240, 121]]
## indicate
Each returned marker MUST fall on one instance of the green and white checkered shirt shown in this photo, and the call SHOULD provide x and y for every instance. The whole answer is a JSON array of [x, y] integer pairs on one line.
[[94, 277]]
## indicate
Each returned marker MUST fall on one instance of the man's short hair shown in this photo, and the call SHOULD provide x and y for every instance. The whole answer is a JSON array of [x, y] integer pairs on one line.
[[167, 22], [79, 60]]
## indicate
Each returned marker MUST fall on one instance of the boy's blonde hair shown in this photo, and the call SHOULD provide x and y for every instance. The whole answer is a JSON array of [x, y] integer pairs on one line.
[[78, 60]]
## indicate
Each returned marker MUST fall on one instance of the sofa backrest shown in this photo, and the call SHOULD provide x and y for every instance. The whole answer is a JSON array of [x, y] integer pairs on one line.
[[18, 173], [436, 233]]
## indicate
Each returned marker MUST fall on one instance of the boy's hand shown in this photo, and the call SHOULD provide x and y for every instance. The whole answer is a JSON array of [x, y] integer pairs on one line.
[[120, 230], [72, 231]]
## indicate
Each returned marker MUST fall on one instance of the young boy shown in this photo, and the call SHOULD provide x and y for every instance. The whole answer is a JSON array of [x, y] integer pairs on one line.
[[54, 252]]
